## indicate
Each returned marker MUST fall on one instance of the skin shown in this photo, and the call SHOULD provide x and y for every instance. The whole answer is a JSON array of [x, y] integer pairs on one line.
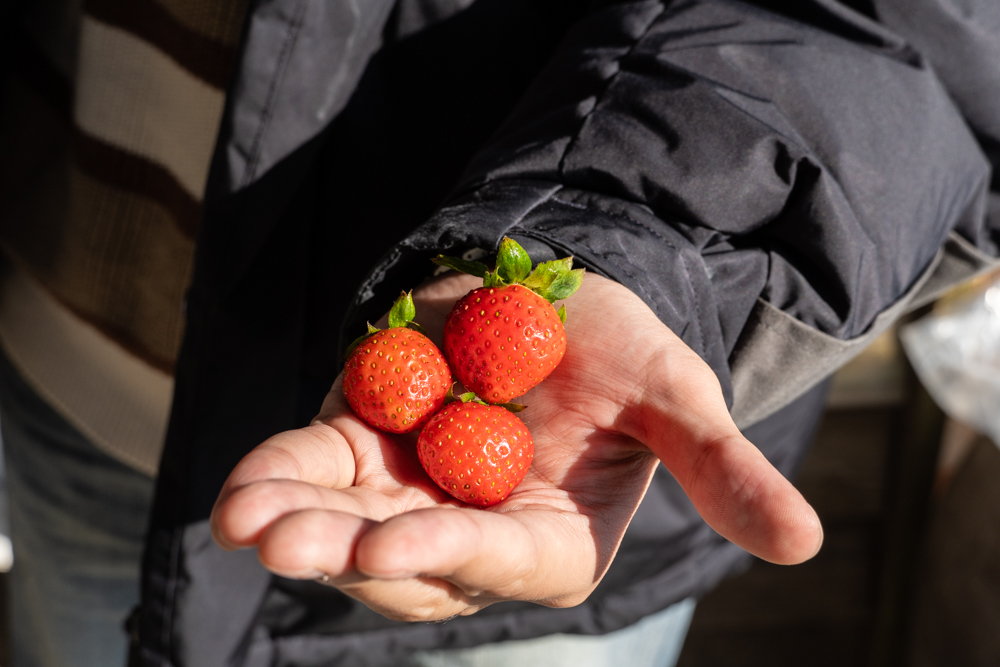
[[342, 500]]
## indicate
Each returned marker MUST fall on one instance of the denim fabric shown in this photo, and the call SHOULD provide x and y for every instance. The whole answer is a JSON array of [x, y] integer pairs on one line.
[[655, 641], [78, 518]]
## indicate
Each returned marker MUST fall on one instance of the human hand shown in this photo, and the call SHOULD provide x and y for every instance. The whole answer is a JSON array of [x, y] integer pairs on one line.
[[341, 501]]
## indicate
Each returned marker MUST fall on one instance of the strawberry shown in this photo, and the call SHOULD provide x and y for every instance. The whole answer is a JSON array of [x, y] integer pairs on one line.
[[504, 338], [476, 452], [396, 378]]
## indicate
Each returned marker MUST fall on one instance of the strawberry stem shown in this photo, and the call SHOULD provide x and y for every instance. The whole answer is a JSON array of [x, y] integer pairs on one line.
[[467, 397], [401, 315], [403, 311], [552, 281], [513, 262], [555, 280]]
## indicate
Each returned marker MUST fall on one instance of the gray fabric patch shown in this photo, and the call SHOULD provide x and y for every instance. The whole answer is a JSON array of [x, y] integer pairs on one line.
[[778, 358]]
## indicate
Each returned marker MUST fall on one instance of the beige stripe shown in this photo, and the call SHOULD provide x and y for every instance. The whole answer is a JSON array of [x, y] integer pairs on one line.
[[219, 20], [114, 257], [116, 400], [133, 96]]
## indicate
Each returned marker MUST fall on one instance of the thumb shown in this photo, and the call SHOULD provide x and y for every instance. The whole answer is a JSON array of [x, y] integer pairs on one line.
[[682, 417]]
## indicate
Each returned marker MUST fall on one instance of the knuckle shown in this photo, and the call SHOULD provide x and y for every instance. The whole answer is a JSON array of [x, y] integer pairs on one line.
[[703, 462], [515, 586]]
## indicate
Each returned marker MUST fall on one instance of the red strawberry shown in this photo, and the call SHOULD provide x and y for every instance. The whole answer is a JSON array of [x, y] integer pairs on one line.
[[505, 337], [478, 453], [396, 378], [502, 341]]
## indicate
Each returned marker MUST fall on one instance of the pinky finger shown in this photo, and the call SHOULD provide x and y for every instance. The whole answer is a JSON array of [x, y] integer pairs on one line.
[[320, 544], [418, 599], [312, 543]]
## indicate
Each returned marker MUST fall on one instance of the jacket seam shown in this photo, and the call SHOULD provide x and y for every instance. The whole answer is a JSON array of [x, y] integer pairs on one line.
[[616, 214], [291, 36], [549, 196]]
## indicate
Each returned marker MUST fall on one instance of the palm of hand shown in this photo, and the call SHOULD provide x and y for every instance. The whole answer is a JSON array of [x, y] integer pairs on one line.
[[341, 501]]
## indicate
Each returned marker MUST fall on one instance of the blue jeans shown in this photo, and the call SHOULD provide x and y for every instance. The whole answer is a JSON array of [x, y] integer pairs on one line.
[[655, 641], [78, 518]]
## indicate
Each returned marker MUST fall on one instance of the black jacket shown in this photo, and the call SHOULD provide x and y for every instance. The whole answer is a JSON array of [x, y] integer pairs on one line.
[[778, 181]]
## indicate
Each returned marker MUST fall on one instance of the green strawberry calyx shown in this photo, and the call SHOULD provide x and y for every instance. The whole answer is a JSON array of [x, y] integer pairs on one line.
[[470, 397], [400, 316], [552, 281]]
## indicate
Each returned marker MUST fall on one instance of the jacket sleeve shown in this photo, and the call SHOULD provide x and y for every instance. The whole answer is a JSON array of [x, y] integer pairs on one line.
[[962, 42], [770, 187]]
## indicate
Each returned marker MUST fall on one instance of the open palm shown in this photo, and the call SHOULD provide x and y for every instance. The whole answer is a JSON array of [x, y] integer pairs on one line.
[[350, 505]]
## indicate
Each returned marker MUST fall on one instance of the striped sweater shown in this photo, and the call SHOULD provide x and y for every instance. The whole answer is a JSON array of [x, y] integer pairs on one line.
[[110, 112]]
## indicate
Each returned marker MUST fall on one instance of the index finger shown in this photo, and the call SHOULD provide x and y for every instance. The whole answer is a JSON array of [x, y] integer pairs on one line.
[[317, 455], [321, 454]]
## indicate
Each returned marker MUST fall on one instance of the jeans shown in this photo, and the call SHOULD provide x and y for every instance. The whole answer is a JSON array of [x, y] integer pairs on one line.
[[655, 641], [78, 518]]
